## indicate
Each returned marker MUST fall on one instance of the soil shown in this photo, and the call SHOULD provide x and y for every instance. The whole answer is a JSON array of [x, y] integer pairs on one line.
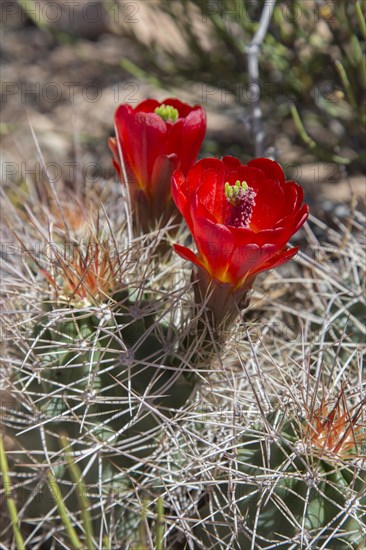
[[63, 82]]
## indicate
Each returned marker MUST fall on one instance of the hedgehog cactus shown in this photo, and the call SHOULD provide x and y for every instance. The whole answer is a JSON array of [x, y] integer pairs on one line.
[[100, 366], [116, 346], [297, 485]]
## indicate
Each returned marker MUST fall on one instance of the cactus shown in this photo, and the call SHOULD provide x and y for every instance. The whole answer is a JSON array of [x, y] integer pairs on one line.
[[103, 379], [104, 405], [113, 352], [297, 485], [101, 368]]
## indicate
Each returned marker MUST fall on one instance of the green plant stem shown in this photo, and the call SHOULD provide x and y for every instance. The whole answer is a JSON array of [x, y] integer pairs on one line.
[[63, 511], [30, 7], [361, 19], [136, 71], [301, 128], [83, 501], [309, 141], [346, 83], [9, 499], [142, 527], [159, 544]]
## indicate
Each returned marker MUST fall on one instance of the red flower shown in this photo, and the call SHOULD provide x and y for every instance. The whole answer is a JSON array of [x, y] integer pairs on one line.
[[155, 139], [241, 218]]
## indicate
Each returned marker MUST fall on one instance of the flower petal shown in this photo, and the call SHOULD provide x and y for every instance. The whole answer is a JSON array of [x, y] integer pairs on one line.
[[147, 106], [269, 204], [184, 137], [210, 192], [112, 144], [279, 259], [140, 135], [179, 188], [187, 254], [164, 167], [270, 168], [215, 245], [183, 108], [248, 259]]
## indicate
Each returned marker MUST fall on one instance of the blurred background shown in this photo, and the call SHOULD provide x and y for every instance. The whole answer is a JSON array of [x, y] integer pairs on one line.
[[67, 65]]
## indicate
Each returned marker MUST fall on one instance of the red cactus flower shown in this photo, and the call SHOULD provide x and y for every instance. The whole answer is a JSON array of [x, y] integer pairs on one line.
[[241, 218], [155, 139]]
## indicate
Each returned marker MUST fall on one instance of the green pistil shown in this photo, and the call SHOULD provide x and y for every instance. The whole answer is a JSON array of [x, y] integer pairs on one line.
[[167, 113], [233, 193]]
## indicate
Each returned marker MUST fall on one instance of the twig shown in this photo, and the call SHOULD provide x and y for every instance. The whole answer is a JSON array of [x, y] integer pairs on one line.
[[63, 511], [159, 542], [19, 542], [81, 492], [253, 50]]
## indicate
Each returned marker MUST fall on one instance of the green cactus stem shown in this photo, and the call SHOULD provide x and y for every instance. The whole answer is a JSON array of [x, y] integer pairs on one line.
[[285, 493]]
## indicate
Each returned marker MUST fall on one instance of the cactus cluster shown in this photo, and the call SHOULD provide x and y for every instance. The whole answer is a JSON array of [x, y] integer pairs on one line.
[[140, 409], [127, 422]]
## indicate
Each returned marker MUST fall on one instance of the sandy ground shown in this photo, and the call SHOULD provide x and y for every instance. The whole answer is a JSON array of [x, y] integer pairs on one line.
[[62, 93]]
